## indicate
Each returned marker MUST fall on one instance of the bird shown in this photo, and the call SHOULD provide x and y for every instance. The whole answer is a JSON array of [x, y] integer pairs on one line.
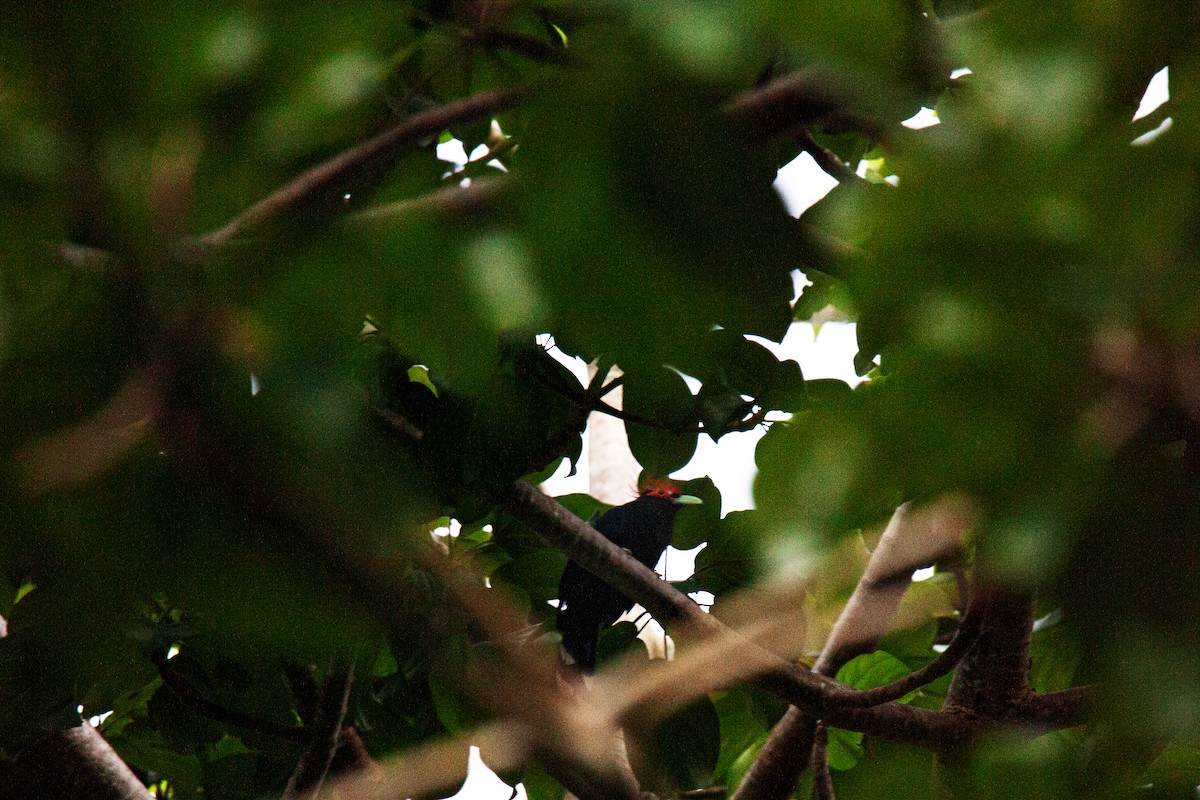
[[586, 603]]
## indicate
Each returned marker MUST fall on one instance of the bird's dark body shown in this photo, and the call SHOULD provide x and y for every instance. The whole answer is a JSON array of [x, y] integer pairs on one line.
[[586, 603]]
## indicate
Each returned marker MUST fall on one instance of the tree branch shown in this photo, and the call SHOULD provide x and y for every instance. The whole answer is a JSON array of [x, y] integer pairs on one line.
[[482, 194], [76, 762], [795, 100], [310, 773], [822, 780], [83, 765], [826, 159], [214, 711], [778, 767], [1055, 710], [296, 191], [911, 539], [993, 681], [591, 401]]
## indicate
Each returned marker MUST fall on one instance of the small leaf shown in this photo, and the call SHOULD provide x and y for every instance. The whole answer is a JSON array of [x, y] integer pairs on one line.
[[845, 749], [871, 670]]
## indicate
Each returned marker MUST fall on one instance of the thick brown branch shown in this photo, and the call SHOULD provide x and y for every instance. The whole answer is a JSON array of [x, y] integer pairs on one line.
[[937, 730], [76, 762], [1056, 710], [418, 126], [993, 680]]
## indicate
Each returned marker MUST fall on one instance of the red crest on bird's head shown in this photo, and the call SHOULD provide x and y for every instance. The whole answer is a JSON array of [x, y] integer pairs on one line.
[[660, 487]]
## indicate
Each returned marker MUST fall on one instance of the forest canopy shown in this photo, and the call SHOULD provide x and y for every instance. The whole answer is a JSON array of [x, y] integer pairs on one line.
[[259, 344]]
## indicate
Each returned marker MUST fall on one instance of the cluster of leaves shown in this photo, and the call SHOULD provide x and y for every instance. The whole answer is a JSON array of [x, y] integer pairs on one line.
[[1025, 301]]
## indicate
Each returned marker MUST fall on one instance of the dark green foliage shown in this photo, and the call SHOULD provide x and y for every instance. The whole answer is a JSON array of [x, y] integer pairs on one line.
[[666, 760], [1027, 306]]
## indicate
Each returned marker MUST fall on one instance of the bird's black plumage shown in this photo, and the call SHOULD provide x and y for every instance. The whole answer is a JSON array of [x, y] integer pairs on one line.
[[586, 603]]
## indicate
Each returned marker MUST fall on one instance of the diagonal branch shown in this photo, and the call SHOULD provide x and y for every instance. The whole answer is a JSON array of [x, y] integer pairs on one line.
[[583, 544], [778, 107], [418, 126], [826, 159], [798, 99], [83, 765]]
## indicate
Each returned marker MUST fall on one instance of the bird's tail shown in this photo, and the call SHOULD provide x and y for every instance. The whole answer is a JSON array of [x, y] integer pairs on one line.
[[579, 639]]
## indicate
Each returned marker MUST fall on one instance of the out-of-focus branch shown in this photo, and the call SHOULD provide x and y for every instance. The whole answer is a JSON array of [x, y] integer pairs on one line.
[[306, 185], [437, 769], [82, 257], [801, 98], [72, 456]]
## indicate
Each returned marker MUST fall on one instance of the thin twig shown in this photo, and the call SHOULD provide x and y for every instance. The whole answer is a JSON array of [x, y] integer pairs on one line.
[[310, 773], [964, 638], [481, 194], [826, 159], [592, 402], [822, 780]]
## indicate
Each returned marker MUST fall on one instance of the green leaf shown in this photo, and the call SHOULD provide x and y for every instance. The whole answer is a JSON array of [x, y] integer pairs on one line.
[[539, 785], [742, 726], [870, 670], [845, 749], [734, 557], [659, 395], [742, 762], [536, 573], [681, 751], [694, 525]]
